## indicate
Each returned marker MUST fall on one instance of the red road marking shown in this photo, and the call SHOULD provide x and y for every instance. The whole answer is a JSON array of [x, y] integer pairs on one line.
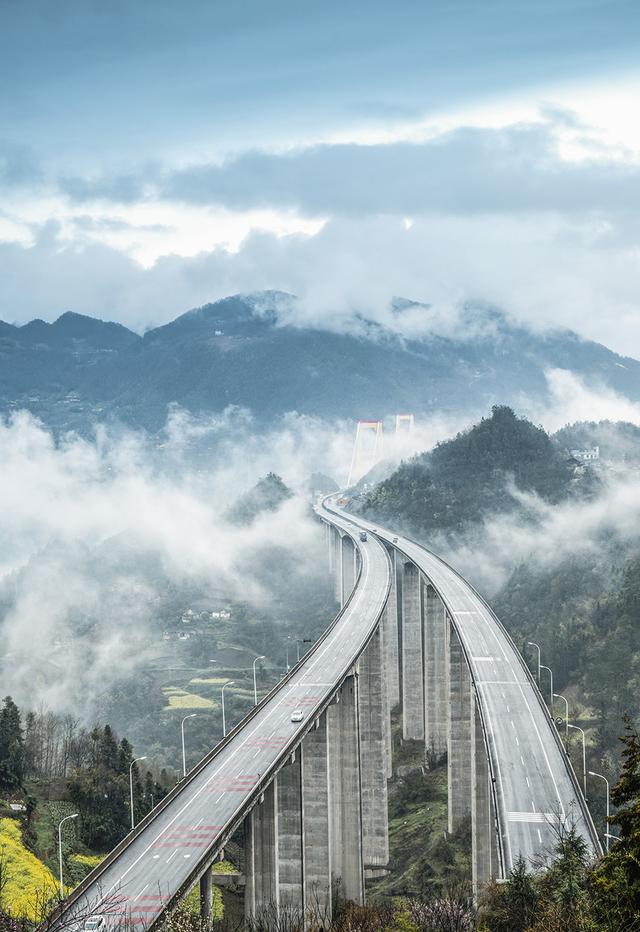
[[277, 741], [301, 701], [238, 784]]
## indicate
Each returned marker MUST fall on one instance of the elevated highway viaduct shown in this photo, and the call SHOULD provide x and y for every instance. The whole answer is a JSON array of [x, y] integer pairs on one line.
[[465, 690], [311, 796]]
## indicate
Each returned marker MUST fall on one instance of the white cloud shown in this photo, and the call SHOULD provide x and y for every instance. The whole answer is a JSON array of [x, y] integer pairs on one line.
[[572, 400], [594, 529], [544, 271], [93, 533]]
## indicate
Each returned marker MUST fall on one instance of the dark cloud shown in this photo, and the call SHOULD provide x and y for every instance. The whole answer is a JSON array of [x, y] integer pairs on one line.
[[544, 270], [468, 170], [18, 166], [465, 171], [121, 188], [85, 81]]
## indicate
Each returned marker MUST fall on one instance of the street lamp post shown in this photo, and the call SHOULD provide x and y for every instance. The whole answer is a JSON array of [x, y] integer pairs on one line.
[[184, 757], [66, 818], [224, 720], [300, 641], [550, 672], [134, 761], [537, 647], [584, 756], [601, 777], [566, 714], [255, 685]]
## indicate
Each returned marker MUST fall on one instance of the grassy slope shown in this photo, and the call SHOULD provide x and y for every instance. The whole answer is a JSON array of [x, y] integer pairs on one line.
[[424, 859]]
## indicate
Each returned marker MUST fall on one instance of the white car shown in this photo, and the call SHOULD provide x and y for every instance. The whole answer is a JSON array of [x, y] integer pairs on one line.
[[95, 924], [297, 715]]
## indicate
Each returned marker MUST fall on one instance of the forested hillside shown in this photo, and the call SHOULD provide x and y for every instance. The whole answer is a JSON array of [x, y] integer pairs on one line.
[[455, 485], [243, 351], [584, 614], [568, 567], [266, 495], [619, 441]]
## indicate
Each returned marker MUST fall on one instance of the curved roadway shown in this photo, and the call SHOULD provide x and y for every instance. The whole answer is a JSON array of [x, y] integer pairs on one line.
[[533, 780], [170, 849]]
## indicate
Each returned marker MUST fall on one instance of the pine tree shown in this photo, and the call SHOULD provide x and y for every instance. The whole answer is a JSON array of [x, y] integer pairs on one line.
[[11, 746], [617, 878], [101, 792]]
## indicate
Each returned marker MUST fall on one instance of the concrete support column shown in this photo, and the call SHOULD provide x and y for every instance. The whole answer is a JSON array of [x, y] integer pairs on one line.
[[249, 867], [412, 675], [373, 749], [336, 550], [436, 673], [348, 553], [290, 841], [206, 894], [386, 702], [261, 856], [347, 867], [461, 731], [390, 622], [482, 825], [316, 822]]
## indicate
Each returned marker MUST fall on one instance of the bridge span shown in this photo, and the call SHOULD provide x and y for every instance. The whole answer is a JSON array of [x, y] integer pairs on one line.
[[311, 796], [466, 691]]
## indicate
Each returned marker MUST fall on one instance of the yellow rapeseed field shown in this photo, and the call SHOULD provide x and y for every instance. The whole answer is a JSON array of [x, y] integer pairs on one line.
[[87, 860], [180, 699], [30, 884]]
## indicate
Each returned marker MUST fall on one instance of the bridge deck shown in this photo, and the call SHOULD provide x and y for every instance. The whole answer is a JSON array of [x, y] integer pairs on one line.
[[534, 783], [172, 849]]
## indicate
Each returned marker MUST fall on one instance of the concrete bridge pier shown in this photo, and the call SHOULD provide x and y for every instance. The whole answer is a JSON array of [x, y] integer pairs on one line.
[[330, 533], [289, 834], [316, 841], [345, 826], [261, 856], [390, 623], [336, 545], [206, 894], [460, 732], [412, 675], [482, 821], [373, 717], [348, 568], [436, 673], [383, 632]]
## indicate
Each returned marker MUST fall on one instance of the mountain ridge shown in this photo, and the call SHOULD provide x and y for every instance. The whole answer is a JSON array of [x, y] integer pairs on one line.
[[244, 350]]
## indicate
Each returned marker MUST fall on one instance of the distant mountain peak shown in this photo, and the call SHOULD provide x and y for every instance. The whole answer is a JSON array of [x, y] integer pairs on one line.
[[254, 351], [270, 299]]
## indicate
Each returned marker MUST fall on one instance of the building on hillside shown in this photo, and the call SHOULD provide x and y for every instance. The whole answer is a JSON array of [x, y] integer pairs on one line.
[[590, 455]]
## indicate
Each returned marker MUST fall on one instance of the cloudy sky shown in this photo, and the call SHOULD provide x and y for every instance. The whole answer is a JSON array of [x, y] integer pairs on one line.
[[156, 155]]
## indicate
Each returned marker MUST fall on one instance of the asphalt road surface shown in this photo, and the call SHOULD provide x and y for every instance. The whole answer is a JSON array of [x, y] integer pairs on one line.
[[534, 785], [188, 832]]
